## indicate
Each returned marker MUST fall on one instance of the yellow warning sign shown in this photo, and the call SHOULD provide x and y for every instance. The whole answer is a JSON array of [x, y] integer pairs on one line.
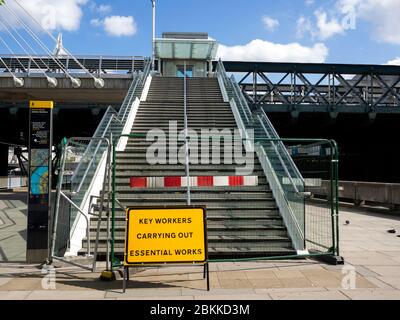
[[165, 235], [41, 104]]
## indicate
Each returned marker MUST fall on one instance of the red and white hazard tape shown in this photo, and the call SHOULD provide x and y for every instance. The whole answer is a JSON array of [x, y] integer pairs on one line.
[[202, 181]]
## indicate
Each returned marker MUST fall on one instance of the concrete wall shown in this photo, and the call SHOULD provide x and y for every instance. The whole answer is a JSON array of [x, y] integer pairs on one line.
[[36, 88], [3, 160], [387, 194]]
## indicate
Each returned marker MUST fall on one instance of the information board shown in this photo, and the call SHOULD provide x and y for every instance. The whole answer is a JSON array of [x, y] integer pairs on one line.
[[40, 143]]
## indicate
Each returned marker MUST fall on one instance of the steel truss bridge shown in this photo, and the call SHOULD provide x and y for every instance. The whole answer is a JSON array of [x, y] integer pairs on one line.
[[308, 87], [277, 87]]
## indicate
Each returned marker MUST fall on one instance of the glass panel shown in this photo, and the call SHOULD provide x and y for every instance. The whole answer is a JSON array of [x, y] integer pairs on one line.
[[181, 71]]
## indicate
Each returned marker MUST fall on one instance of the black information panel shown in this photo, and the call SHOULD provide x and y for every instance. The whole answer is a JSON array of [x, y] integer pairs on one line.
[[40, 143]]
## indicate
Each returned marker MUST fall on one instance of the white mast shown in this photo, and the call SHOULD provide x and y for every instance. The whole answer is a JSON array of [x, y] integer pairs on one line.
[[153, 2]]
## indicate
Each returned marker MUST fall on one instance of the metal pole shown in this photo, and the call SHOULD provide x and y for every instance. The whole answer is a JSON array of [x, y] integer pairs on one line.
[[186, 135], [58, 198], [100, 216], [109, 190], [153, 63]]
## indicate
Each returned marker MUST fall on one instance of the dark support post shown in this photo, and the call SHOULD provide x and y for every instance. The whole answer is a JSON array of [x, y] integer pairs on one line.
[[208, 277], [255, 89], [124, 279], [3, 160], [40, 143]]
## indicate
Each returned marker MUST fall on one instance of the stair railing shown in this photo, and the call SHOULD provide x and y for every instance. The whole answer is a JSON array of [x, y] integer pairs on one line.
[[187, 159], [286, 182], [112, 122]]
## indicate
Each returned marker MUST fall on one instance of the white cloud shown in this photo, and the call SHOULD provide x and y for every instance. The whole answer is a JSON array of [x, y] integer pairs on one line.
[[304, 26], [270, 23], [260, 50], [96, 22], [309, 2], [384, 15], [119, 26], [323, 28], [52, 15], [327, 28], [104, 8], [394, 62], [101, 8]]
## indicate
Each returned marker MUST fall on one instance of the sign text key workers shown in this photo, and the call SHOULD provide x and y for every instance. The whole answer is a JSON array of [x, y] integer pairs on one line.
[[165, 235]]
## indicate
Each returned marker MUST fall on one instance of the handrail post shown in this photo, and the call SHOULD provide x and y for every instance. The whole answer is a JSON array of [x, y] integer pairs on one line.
[[58, 198], [187, 156], [102, 193]]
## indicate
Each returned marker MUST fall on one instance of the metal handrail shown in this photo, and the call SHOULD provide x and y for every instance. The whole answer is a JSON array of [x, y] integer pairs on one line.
[[235, 90], [248, 115], [288, 157], [110, 110], [82, 214], [92, 150], [186, 137], [126, 103], [241, 98], [281, 193], [95, 152], [280, 158]]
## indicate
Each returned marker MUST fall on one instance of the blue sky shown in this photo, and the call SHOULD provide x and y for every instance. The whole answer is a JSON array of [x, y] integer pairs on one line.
[[337, 31]]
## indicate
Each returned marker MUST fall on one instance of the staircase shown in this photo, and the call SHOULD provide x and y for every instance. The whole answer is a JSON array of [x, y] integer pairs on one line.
[[242, 221]]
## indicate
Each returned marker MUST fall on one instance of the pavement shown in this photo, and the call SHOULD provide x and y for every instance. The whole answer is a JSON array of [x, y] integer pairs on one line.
[[13, 220], [371, 271]]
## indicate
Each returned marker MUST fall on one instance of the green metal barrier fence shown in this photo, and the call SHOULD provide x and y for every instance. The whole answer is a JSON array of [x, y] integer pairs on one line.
[[316, 219]]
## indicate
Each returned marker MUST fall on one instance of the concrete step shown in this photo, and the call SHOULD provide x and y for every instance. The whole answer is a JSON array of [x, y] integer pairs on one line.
[[121, 174], [216, 241], [123, 165], [199, 196], [264, 249], [127, 189], [271, 213]]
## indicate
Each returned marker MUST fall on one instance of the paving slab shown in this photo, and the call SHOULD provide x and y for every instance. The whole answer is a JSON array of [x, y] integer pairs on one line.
[[386, 270], [22, 284], [156, 298], [130, 292], [291, 290], [65, 295], [392, 281], [220, 292], [4, 281], [322, 295], [263, 297], [14, 295], [261, 274], [372, 294]]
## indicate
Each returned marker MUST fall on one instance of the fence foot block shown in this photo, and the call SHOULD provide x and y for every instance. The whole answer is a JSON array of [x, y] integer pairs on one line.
[[110, 275], [332, 260]]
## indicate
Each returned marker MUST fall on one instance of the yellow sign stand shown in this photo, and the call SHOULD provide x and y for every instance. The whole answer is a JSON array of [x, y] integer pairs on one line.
[[165, 235]]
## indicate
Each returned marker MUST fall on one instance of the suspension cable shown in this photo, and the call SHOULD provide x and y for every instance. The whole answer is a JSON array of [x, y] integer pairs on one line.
[[32, 34], [54, 39], [23, 48], [27, 44], [13, 53]]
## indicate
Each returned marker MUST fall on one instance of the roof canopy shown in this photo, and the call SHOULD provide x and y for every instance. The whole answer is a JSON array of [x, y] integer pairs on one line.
[[186, 49]]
